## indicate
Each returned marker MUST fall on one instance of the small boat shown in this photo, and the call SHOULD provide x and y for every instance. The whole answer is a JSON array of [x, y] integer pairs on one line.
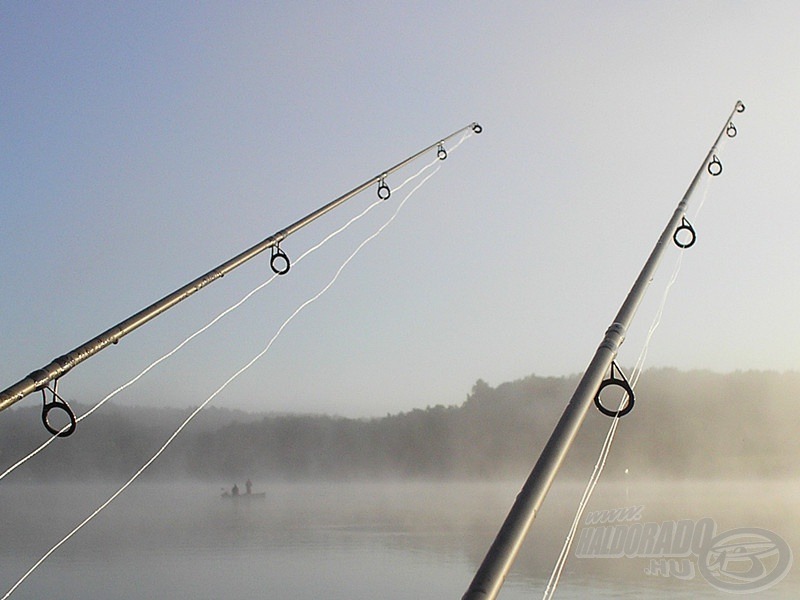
[[251, 496]]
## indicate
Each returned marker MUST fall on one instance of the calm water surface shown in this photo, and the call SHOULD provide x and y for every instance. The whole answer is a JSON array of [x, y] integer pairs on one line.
[[350, 540]]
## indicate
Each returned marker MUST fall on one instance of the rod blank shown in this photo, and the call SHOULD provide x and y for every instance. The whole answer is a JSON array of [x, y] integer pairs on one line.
[[61, 365], [498, 560]]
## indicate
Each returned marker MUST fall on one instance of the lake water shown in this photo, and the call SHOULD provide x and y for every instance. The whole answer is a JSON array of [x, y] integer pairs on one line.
[[387, 540]]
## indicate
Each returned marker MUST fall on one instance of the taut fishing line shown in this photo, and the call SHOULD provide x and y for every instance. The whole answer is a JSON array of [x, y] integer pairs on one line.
[[188, 419], [555, 576], [228, 310]]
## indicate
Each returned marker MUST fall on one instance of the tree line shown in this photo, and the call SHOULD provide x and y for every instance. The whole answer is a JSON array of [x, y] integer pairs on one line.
[[684, 424]]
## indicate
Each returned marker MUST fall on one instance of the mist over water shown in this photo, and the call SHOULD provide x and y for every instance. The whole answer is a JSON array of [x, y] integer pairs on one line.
[[391, 539], [404, 506]]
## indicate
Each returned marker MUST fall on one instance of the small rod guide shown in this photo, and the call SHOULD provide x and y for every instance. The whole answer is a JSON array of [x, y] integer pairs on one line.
[[39, 379], [498, 560]]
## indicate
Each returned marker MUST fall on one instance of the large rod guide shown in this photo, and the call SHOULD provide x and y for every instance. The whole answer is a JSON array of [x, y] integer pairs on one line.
[[492, 573], [40, 379]]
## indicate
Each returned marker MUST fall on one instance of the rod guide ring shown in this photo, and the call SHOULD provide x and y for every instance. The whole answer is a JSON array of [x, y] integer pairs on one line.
[[383, 190], [715, 166], [684, 226], [60, 404], [279, 262], [619, 382]]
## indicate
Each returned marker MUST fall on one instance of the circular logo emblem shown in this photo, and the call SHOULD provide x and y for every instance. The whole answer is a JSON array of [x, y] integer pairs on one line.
[[745, 560]]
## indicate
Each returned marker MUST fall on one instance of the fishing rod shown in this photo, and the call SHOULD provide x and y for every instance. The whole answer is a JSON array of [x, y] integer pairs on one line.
[[279, 262], [498, 560]]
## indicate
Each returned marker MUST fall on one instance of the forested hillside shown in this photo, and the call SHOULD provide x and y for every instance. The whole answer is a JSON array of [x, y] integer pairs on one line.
[[684, 424]]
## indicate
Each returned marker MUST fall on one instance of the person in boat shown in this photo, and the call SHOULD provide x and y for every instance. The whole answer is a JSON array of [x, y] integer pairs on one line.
[[235, 490], [249, 486]]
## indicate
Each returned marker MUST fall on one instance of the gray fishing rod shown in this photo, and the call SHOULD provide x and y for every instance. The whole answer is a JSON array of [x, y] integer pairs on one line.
[[498, 560], [279, 262]]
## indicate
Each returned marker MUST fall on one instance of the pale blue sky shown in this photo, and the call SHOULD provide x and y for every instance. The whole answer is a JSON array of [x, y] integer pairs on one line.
[[142, 145]]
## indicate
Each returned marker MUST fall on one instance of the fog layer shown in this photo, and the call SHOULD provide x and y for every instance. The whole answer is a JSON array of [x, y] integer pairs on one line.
[[684, 425]]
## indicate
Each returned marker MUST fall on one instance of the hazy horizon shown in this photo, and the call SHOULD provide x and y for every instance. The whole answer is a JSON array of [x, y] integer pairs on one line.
[[133, 400]]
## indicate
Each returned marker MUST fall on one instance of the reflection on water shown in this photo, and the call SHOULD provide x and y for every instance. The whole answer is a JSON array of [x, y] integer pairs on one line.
[[348, 540]]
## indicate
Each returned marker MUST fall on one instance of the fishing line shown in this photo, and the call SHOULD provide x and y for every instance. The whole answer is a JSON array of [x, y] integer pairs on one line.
[[605, 450], [220, 316], [194, 413], [40, 379], [676, 269], [499, 558]]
